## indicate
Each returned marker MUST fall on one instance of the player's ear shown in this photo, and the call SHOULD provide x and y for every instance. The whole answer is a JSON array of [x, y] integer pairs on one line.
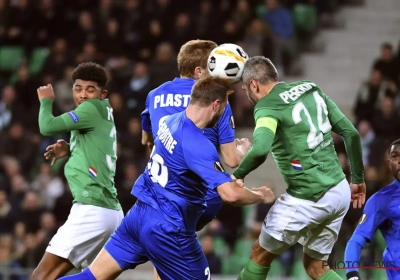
[[197, 72], [254, 86], [216, 105], [103, 94]]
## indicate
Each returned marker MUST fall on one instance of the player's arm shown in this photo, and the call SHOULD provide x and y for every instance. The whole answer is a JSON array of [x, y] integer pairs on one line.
[[82, 118], [373, 216], [263, 137], [226, 138], [205, 163], [342, 126], [147, 135]]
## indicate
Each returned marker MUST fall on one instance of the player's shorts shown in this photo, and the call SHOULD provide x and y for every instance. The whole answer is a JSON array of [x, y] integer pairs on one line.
[[84, 233], [213, 207], [315, 225], [145, 235]]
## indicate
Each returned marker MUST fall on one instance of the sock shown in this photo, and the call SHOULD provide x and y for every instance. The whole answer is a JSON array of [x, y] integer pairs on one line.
[[84, 275], [330, 275], [253, 271]]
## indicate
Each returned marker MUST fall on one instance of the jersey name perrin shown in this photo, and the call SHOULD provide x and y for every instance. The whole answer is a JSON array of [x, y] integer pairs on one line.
[[303, 147]]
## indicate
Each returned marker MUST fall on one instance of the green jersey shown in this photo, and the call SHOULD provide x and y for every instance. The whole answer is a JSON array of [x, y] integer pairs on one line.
[[295, 121], [303, 148], [90, 169]]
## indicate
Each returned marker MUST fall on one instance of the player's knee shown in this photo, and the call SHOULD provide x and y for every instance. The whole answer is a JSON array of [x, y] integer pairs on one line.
[[40, 274], [261, 256], [315, 268]]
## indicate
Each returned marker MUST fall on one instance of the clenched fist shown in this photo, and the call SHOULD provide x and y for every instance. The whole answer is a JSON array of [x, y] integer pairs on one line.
[[267, 194], [45, 92]]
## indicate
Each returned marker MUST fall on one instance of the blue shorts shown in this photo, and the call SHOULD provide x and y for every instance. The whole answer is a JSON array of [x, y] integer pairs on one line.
[[213, 207], [145, 235]]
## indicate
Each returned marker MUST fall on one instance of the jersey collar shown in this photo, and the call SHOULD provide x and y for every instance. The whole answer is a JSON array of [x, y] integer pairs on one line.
[[184, 80]]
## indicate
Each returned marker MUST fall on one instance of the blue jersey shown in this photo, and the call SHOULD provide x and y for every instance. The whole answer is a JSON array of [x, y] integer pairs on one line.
[[382, 211], [173, 97], [179, 174]]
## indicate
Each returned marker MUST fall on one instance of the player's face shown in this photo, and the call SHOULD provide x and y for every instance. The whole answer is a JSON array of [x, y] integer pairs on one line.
[[250, 93], [85, 90], [394, 161], [218, 110]]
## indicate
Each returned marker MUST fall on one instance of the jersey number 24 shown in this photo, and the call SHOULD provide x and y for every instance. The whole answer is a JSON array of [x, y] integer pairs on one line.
[[316, 134]]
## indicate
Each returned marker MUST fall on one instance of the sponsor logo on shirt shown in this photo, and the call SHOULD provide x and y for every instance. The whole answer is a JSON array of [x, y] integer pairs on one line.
[[74, 117]]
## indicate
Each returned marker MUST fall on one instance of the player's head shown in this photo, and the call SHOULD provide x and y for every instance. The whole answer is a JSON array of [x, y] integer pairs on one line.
[[210, 94], [89, 81], [192, 58], [394, 159], [259, 75]]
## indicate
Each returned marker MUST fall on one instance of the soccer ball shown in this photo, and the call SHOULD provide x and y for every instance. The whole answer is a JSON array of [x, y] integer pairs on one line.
[[227, 62]]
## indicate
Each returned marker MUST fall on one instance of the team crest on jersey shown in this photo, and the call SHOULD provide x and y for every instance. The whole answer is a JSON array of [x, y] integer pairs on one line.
[[218, 167], [232, 122], [362, 219]]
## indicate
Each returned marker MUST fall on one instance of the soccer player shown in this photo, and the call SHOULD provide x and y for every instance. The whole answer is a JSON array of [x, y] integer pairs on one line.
[[174, 96], [90, 171], [382, 212], [161, 226], [295, 121]]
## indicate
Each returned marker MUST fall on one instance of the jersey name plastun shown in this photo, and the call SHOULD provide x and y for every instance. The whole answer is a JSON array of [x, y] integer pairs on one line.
[[171, 100], [165, 136], [295, 92]]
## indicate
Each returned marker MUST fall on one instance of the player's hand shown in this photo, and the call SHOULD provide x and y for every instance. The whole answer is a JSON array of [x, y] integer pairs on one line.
[[267, 194], [358, 192], [57, 151], [240, 182], [243, 145], [45, 92]]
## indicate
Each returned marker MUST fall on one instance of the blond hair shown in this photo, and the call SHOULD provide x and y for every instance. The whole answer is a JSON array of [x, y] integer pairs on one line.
[[194, 54]]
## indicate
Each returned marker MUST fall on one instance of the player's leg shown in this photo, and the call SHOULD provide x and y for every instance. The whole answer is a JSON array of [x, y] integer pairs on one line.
[[78, 241], [213, 207], [51, 267], [55, 262], [176, 255], [279, 232], [318, 244], [121, 252]]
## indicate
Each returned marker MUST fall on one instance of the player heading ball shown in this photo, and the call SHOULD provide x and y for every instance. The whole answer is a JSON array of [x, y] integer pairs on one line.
[[161, 226]]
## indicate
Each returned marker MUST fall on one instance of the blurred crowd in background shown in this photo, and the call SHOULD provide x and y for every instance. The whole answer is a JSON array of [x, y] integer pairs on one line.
[[41, 42]]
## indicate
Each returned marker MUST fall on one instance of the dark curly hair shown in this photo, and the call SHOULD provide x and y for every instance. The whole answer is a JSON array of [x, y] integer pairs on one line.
[[90, 71]]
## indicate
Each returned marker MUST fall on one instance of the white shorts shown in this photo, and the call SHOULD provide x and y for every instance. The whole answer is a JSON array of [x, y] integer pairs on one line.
[[84, 233], [315, 225]]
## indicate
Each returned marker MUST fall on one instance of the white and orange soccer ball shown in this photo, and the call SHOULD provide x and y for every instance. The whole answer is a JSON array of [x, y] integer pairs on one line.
[[227, 62]]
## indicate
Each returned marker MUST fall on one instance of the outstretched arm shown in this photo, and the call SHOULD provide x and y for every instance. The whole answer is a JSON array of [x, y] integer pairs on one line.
[[263, 137]]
